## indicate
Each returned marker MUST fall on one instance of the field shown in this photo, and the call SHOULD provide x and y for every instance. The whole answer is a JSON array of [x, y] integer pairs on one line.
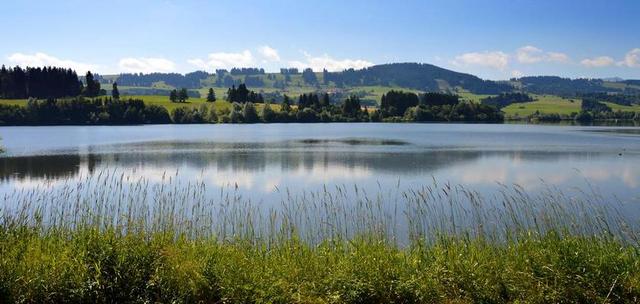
[[12, 102], [617, 107], [333, 246], [547, 104], [162, 101]]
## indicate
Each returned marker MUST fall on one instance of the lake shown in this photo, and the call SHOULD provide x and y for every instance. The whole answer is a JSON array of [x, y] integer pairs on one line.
[[260, 161]]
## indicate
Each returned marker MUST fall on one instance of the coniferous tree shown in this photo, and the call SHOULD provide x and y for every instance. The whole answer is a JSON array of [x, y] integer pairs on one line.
[[211, 96], [114, 91], [286, 104], [351, 107], [326, 101], [92, 89]]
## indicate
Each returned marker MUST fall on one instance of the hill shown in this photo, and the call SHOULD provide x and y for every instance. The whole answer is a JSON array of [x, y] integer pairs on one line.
[[415, 76]]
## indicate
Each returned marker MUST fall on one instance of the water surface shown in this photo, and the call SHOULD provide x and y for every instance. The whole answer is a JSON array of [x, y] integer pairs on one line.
[[262, 158]]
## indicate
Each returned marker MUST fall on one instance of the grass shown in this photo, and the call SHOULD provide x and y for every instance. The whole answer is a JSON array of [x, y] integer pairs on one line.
[[617, 107], [13, 102], [164, 101], [547, 104], [116, 238], [466, 95]]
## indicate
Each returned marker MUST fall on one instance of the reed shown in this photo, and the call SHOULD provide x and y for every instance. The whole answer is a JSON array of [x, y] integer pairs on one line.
[[112, 237]]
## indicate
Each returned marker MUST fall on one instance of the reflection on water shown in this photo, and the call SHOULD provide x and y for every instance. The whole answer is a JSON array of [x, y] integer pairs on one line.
[[261, 158]]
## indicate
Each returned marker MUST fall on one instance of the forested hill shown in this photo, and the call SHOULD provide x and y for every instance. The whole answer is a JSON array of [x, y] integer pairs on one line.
[[419, 76], [555, 85], [413, 76]]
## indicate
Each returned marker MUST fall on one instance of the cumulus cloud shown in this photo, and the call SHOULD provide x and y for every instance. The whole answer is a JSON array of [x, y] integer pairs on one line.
[[223, 60], [269, 53], [496, 60], [331, 64], [631, 59], [531, 54], [146, 65], [557, 57], [597, 62], [42, 59]]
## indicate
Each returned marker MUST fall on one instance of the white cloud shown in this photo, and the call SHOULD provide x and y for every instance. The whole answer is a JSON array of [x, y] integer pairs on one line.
[[326, 62], [224, 60], [516, 74], [531, 54], [557, 57], [597, 62], [269, 53], [42, 59], [199, 63], [496, 60], [631, 59], [146, 65]]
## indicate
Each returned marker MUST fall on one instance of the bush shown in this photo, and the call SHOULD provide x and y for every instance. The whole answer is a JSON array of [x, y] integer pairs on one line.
[[267, 114], [307, 115], [249, 113]]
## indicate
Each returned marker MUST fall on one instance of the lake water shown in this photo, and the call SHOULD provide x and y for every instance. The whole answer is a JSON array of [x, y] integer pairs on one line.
[[262, 159]]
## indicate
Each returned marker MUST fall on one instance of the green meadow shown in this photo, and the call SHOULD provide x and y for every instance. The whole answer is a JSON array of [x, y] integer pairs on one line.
[[547, 104]]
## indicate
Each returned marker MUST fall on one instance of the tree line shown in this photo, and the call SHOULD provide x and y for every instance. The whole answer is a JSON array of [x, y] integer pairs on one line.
[[83, 111], [241, 95], [408, 106], [189, 80], [309, 108], [19, 83]]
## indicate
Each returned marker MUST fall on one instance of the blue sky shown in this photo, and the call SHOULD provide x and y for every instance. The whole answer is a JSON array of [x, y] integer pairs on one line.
[[491, 39]]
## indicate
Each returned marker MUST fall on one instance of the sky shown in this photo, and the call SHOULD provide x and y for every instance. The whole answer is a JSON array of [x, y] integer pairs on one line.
[[493, 39]]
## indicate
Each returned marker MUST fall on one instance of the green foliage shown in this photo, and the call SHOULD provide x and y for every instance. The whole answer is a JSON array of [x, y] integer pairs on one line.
[[249, 113], [351, 107], [81, 111], [92, 87], [211, 95], [183, 95], [242, 95], [267, 114], [45, 82], [187, 115], [115, 94], [307, 115], [173, 96], [235, 115], [593, 105], [434, 107], [396, 103]]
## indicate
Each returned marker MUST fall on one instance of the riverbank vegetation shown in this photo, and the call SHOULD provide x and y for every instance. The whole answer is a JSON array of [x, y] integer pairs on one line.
[[111, 238]]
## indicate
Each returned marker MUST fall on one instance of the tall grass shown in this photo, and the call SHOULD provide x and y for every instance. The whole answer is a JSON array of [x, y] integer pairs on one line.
[[114, 238]]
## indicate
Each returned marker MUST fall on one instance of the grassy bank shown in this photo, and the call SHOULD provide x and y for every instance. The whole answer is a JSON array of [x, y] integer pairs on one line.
[[115, 239]]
